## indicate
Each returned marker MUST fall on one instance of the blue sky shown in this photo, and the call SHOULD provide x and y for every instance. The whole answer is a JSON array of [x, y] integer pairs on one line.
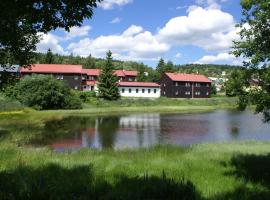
[[183, 31]]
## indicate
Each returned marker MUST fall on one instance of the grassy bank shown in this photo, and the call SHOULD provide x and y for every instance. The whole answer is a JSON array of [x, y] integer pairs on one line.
[[209, 171]]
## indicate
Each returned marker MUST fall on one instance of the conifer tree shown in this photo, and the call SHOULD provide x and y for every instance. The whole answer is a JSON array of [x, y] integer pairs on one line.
[[108, 82], [49, 59]]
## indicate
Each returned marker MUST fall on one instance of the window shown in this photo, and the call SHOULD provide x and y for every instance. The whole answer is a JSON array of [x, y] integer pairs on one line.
[[187, 84], [197, 93], [92, 88], [207, 85], [76, 77], [91, 78], [207, 93], [176, 93], [187, 93], [198, 85], [76, 87], [137, 90], [130, 79], [123, 90], [164, 92], [155, 90], [129, 90], [143, 90], [164, 85], [149, 90], [176, 83], [59, 77]]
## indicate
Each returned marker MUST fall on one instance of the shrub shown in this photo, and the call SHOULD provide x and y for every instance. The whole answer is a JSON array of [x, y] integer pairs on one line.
[[8, 104], [44, 92], [86, 96]]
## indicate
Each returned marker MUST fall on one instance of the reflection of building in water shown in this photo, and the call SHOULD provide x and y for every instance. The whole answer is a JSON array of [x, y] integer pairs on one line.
[[184, 129], [139, 130]]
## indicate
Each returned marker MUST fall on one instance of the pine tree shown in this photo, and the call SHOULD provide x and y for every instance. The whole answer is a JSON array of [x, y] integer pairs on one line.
[[90, 62], [108, 82], [169, 67], [161, 66], [49, 59]]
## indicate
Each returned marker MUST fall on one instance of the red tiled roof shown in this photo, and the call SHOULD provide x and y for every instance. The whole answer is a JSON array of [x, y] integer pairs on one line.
[[188, 77], [53, 69], [138, 84], [130, 73], [119, 73], [91, 72]]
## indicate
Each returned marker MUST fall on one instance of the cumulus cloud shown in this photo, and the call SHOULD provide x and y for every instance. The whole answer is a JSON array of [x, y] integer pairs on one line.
[[50, 41], [224, 57], [110, 4], [134, 44], [115, 20], [178, 55], [210, 29], [77, 32]]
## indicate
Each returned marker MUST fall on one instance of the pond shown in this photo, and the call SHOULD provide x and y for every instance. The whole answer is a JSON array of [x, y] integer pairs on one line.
[[144, 130]]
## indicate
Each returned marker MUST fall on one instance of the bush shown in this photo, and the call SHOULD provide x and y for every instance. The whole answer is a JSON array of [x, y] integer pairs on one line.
[[86, 96], [8, 104], [44, 92]]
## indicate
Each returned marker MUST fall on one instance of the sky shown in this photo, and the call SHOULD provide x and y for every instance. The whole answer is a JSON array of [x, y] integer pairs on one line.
[[182, 31]]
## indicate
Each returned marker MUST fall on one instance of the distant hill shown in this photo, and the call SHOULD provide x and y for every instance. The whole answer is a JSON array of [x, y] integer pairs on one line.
[[209, 70]]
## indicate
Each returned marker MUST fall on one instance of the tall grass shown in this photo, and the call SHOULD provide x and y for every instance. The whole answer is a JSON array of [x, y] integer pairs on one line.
[[8, 104]]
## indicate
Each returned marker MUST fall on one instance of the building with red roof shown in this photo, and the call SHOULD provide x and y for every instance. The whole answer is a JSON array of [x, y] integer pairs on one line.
[[179, 85], [71, 74]]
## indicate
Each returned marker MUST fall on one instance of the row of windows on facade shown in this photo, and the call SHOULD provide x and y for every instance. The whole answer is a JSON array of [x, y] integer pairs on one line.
[[91, 78], [189, 84], [188, 93], [61, 77], [137, 90]]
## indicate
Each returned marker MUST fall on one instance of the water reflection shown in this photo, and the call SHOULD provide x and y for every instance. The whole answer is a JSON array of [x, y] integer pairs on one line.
[[144, 130]]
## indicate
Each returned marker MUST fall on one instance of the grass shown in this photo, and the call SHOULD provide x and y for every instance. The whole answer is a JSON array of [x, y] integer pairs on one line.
[[207, 171]]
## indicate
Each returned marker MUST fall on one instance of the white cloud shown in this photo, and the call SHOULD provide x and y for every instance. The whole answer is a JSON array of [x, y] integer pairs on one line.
[[133, 44], [224, 57], [211, 3], [50, 41], [178, 55], [77, 32], [115, 20], [110, 4], [210, 29], [181, 7]]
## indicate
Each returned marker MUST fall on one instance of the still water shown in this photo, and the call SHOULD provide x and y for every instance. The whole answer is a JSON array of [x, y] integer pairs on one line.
[[144, 130]]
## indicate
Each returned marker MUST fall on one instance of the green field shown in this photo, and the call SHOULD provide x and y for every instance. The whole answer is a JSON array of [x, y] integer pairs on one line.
[[208, 171]]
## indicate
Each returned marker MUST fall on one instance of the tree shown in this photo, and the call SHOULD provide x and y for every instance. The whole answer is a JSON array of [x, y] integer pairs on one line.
[[90, 62], [169, 67], [213, 89], [161, 67], [108, 82], [22, 23], [49, 59], [44, 92], [236, 83], [254, 46]]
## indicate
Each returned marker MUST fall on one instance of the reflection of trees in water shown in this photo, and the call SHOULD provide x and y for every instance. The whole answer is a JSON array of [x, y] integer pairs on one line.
[[107, 128], [69, 127]]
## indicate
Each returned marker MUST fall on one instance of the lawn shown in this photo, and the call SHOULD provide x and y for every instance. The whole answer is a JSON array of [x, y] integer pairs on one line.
[[207, 171]]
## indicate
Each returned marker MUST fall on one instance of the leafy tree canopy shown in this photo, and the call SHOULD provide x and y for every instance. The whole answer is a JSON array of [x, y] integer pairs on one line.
[[254, 46], [21, 21], [44, 92]]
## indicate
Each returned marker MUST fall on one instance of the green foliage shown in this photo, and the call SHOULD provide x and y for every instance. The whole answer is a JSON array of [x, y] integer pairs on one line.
[[49, 59], [86, 96], [236, 83], [108, 82], [23, 20], [44, 92], [254, 46], [213, 89], [89, 63], [9, 104]]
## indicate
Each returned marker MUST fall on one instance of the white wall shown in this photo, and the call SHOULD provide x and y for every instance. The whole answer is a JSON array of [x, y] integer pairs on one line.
[[140, 93]]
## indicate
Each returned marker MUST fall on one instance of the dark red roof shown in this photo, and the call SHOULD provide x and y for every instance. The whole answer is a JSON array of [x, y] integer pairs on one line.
[[130, 73], [138, 84], [188, 77], [119, 73], [53, 69]]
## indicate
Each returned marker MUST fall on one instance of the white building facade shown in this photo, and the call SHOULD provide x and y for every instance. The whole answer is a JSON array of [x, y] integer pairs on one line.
[[139, 89]]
